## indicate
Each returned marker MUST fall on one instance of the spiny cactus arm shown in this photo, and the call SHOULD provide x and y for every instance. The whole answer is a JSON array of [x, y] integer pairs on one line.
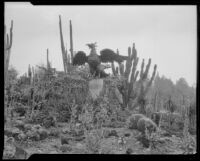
[[134, 69], [9, 43], [61, 34], [29, 70], [134, 51], [71, 41], [151, 80], [136, 75], [133, 76], [62, 45], [135, 62], [33, 71], [48, 64], [154, 73], [7, 49], [147, 70], [142, 69], [141, 101], [121, 68], [128, 64]]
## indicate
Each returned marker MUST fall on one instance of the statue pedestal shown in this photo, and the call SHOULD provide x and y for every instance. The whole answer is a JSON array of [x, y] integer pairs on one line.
[[95, 87]]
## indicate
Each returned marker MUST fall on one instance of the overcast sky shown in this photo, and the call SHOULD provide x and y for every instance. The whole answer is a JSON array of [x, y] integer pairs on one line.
[[166, 34]]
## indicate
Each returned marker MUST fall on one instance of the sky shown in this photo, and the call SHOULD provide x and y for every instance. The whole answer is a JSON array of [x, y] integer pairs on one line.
[[167, 34]]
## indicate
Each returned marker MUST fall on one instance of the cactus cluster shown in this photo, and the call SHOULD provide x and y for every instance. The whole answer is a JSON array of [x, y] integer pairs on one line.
[[130, 73], [133, 120], [65, 55], [141, 122]]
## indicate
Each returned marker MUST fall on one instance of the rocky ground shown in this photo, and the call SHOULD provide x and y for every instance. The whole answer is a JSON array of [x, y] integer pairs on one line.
[[59, 140]]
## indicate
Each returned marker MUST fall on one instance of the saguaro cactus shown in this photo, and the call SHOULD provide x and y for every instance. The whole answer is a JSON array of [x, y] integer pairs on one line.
[[64, 50], [7, 49]]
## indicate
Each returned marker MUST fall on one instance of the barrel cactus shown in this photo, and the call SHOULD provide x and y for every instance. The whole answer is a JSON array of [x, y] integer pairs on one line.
[[133, 120]]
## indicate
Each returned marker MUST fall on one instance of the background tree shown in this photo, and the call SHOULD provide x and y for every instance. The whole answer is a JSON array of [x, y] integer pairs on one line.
[[12, 74]]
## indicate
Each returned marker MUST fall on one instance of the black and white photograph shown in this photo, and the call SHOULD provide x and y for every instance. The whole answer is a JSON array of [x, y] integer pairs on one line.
[[99, 79]]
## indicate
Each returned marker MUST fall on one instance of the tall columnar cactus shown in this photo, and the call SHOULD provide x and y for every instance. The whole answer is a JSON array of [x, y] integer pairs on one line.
[[7, 49], [64, 50], [143, 85], [130, 74], [116, 70], [29, 73], [33, 78], [48, 64], [71, 41]]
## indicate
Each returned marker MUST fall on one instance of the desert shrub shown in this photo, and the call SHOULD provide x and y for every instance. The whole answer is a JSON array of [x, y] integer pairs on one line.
[[19, 124], [33, 135], [43, 133], [65, 148], [133, 120], [166, 120], [19, 109], [189, 143], [177, 122], [12, 132], [9, 149]]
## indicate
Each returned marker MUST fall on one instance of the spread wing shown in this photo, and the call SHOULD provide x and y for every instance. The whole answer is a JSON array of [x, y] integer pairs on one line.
[[80, 58], [108, 55]]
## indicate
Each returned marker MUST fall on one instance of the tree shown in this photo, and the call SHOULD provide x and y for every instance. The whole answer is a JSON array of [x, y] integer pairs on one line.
[[184, 91], [12, 74]]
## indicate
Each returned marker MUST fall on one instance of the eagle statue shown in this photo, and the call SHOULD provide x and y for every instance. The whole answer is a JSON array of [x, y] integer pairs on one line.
[[94, 60]]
